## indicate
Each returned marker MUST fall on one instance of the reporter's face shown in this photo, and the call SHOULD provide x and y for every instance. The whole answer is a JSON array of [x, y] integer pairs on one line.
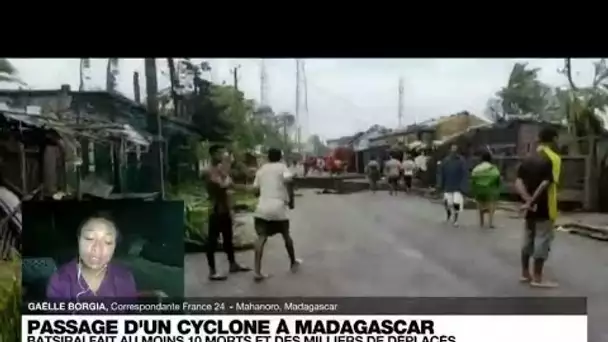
[[97, 243]]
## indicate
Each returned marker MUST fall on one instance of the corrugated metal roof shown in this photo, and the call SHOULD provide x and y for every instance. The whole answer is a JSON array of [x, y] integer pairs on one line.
[[100, 130], [138, 112]]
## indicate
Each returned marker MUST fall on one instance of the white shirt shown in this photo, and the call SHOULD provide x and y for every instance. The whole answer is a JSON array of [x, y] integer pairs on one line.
[[392, 167], [421, 162], [408, 167], [273, 201], [373, 164]]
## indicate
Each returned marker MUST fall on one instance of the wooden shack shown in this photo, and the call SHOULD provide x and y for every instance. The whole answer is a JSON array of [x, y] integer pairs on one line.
[[510, 141], [423, 134], [109, 133]]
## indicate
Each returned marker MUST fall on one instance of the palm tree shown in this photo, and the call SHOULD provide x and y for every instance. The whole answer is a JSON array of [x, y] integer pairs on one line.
[[8, 73], [524, 93], [582, 104]]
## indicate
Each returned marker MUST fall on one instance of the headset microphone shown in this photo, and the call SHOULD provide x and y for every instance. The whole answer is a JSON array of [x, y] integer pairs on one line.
[[85, 289]]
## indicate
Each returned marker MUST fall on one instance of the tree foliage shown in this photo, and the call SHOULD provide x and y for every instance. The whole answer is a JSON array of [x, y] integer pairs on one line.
[[8, 73], [524, 94], [318, 147], [579, 107], [586, 106], [220, 112], [494, 109]]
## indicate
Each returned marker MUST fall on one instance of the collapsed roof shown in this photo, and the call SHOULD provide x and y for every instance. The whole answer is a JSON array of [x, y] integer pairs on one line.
[[71, 125]]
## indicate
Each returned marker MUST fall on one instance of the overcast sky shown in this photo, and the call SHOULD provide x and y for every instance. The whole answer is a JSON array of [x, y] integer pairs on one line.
[[344, 95]]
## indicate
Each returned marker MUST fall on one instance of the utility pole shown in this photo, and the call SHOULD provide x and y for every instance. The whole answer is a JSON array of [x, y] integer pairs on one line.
[[400, 110], [263, 84], [136, 87], [306, 125], [235, 77], [85, 66], [235, 97], [298, 127], [157, 163]]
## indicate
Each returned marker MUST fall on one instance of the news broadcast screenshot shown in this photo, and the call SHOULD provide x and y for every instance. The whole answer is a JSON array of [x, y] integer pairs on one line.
[[190, 201]]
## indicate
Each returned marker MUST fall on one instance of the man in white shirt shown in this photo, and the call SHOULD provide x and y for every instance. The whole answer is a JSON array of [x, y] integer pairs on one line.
[[392, 170], [274, 182], [408, 167], [373, 174], [320, 166], [421, 166]]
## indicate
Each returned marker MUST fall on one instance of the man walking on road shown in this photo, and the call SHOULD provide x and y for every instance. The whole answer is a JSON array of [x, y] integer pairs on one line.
[[421, 172], [536, 183], [373, 174], [452, 179], [220, 217], [392, 170], [408, 166], [274, 182]]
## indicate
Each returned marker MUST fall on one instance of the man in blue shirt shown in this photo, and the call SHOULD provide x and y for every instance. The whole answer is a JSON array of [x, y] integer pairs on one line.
[[452, 179]]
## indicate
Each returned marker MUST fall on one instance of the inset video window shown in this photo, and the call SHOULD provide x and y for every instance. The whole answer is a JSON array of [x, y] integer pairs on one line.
[[128, 249]]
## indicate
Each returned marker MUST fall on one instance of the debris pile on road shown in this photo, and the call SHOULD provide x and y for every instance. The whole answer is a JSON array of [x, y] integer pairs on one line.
[[597, 233], [244, 231], [592, 225]]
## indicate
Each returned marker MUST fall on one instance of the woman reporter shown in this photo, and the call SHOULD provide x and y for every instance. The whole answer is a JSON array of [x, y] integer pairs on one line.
[[93, 274]]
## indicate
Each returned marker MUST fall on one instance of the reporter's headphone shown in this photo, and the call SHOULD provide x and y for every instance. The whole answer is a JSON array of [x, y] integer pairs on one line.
[[83, 287]]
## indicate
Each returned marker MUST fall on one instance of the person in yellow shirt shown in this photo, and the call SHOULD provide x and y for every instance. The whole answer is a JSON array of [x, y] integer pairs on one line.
[[536, 183]]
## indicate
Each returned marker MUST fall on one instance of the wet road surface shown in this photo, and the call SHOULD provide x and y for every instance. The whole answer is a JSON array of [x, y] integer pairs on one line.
[[376, 245]]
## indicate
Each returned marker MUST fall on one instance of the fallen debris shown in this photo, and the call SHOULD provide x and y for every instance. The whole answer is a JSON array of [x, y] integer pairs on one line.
[[327, 192], [597, 233]]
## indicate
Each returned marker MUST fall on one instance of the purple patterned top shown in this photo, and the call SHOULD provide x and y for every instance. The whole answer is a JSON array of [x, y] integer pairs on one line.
[[117, 283]]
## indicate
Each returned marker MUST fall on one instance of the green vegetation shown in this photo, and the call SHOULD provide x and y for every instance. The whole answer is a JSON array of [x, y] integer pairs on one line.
[[8, 73], [582, 108], [578, 106], [197, 207], [10, 300], [220, 113]]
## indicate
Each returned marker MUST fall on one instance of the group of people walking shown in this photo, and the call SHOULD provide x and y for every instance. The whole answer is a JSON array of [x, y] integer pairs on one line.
[[399, 174], [483, 181], [536, 184]]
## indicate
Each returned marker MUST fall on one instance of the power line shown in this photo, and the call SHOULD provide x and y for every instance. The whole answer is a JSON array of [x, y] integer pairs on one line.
[[335, 96], [341, 98]]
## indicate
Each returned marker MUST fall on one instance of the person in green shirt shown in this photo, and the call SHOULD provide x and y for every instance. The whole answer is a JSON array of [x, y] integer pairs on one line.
[[485, 187]]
